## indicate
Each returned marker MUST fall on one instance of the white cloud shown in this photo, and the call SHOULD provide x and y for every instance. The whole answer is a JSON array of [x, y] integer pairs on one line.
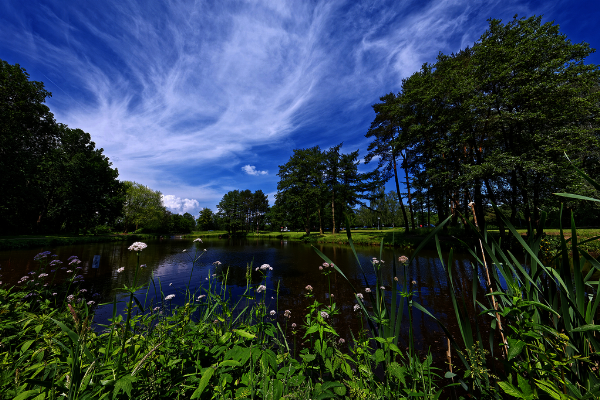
[[181, 206], [251, 170]]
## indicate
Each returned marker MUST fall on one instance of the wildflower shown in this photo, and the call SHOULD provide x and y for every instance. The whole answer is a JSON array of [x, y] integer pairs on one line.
[[200, 297], [42, 275], [213, 275], [120, 270], [324, 314], [170, 297], [32, 273], [256, 269], [414, 282], [55, 262], [143, 266], [287, 314], [367, 290], [70, 298], [170, 284], [54, 294], [325, 265], [83, 290], [78, 269], [155, 309], [331, 295], [91, 303], [320, 268], [69, 271], [294, 325], [403, 259], [342, 341], [382, 287], [24, 278], [74, 261], [356, 307], [309, 288], [184, 250], [273, 312], [72, 258], [41, 255], [78, 278], [198, 240], [204, 249], [216, 321], [138, 246], [396, 278], [261, 288], [359, 295], [217, 263], [265, 267]]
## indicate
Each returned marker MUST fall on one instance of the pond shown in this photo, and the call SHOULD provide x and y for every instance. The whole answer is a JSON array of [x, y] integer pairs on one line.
[[295, 265]]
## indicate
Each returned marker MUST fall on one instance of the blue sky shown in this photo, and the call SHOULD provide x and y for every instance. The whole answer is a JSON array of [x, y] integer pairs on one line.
[[196, 98]]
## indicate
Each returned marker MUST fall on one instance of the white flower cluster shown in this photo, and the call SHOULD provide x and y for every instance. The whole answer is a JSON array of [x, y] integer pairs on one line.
[[217, 263], [264, 267], [287, 314], [272, 312], [359, 295], [324, 314], [138, 246], [170, 297], [261, 288], [356, 307], [120, 270], [309, 288], [198, 240], [367, 290], [200, 297]]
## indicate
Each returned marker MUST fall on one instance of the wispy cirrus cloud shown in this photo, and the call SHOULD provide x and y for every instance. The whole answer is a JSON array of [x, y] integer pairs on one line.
[[187, 97]]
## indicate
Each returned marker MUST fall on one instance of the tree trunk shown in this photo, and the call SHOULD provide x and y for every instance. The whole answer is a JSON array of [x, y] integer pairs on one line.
[[333, 213], [307, 226], [406, 226], [320, 222], [410, 207]]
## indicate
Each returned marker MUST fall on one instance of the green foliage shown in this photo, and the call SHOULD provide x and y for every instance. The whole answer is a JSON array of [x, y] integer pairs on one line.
[[54, 179]]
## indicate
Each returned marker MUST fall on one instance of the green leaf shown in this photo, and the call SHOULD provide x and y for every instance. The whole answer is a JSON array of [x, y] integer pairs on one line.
[[244, 334], [206, 375], [26, 345], [511, 390], [26, 394], [229, 363], [515, 347], [586, 328], [124, 384]]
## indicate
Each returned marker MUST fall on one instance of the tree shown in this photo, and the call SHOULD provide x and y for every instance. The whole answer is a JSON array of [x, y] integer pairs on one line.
[[53, 178], [206, 220], [388, 143], [299, 188], [143, 207]]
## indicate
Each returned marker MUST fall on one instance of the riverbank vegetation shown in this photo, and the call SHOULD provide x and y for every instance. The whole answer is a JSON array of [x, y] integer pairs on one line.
[[533, 337]]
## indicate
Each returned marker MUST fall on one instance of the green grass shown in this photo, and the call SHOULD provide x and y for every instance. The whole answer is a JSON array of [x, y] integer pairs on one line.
[[42, 241]]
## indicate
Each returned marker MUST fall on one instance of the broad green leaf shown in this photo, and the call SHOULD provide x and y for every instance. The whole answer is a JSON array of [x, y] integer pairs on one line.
[[244, 334], [206, 375], [515, 347]]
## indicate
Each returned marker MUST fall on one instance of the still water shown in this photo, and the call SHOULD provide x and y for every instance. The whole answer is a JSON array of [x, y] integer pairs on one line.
[[295, 265]]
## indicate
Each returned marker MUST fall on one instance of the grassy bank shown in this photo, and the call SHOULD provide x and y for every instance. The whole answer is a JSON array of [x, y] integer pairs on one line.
[[37, 241]]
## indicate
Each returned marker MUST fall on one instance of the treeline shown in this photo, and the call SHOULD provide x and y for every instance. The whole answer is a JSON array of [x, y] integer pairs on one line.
[[52, 177], [318, 188], [492, 124]]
